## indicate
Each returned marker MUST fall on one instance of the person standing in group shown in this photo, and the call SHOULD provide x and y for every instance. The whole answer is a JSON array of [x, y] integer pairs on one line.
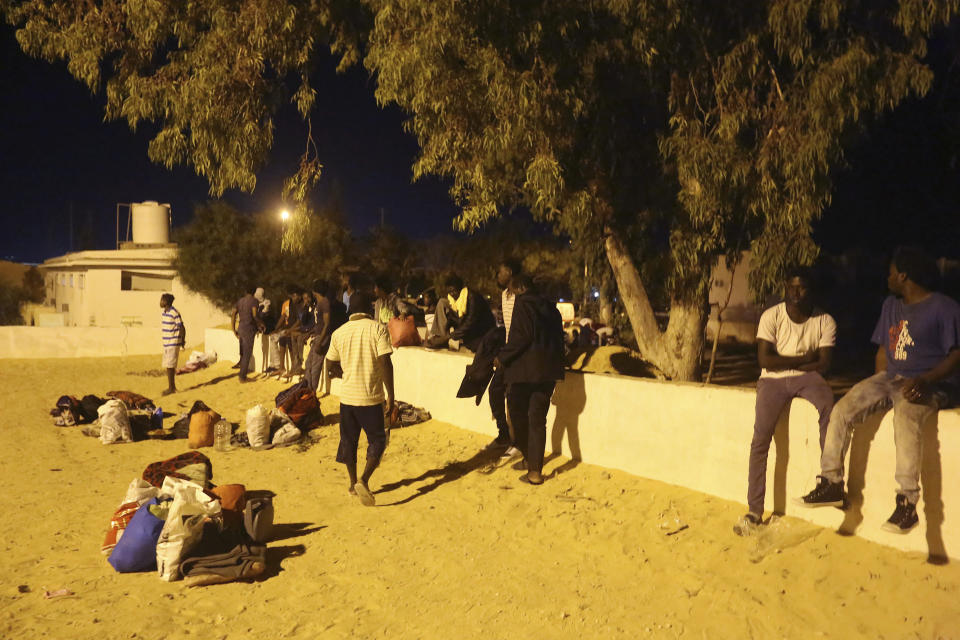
[[496, 392], [917, 373], [362, 347], [174, 336], [532, 362], [795, 343], [287, 324], [319, 334], [246, 322]]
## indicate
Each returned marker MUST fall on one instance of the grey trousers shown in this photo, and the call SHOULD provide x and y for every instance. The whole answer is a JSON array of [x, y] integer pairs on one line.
[[773, 394], [442, 325], [880, 392]]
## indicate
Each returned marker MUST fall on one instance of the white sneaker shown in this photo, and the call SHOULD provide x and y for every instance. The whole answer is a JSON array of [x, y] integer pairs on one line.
[[511, 452]]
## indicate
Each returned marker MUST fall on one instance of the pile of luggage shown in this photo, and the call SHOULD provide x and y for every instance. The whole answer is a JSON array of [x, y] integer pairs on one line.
[[175, 521]]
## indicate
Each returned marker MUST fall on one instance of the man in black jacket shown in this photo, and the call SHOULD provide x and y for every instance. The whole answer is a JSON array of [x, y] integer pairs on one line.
[[462, 317], [532, 362]]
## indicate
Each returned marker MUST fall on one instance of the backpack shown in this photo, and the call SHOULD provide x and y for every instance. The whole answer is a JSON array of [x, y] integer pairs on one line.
[[258, 515], [300, 404]]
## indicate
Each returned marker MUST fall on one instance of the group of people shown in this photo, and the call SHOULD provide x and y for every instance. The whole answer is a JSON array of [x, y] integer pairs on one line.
[[917, 367], [917, 372]]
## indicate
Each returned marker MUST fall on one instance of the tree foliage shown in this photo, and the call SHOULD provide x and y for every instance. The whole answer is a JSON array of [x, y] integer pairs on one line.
[[224, 252], [667, 132]]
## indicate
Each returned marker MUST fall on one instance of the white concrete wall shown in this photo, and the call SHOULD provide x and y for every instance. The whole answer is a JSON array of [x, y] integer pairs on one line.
[[698, 437], [84, 342]]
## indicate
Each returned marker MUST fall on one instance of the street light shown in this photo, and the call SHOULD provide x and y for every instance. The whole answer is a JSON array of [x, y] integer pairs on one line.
[[284, 215]]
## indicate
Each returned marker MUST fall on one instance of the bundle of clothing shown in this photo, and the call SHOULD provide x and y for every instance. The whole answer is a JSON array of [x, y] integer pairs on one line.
[[176, 521]]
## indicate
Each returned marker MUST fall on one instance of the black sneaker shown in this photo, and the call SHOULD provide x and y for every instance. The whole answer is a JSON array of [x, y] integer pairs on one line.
[[827, 494], [904, 517]]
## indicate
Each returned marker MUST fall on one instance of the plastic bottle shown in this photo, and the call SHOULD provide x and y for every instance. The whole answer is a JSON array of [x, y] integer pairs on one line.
[[221, 435], [156, 419]]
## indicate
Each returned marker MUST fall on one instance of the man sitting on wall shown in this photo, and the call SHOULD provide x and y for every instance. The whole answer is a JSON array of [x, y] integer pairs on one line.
[[917, 373], [795, 343], [463, 316]]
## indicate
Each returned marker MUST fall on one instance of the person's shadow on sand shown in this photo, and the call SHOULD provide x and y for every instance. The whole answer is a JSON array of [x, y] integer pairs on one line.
[[570, 398], [442, 475], [931, 482]]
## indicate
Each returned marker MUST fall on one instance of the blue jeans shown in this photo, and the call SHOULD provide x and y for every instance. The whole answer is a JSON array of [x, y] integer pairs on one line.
[[880, 392]]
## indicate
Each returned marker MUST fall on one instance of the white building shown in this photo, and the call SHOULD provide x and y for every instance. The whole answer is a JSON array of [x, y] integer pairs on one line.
[[122, 288]]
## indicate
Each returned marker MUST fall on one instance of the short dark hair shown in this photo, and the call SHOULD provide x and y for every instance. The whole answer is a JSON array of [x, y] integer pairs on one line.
[[513, 264], [384, 283], [292, 288], [361, 302], [804, 273], [453, 280], [320, 286], [918, 266], [524, 280], [167, 298]]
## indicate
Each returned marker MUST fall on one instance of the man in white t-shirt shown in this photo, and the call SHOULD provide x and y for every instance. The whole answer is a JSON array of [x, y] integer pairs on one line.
[[795, 344], [362, 347]]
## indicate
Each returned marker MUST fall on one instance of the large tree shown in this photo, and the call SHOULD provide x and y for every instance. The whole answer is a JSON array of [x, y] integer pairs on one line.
[[667, 132]]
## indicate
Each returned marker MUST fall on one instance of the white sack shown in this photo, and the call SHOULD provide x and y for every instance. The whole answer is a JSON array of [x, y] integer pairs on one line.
[[114, 422]]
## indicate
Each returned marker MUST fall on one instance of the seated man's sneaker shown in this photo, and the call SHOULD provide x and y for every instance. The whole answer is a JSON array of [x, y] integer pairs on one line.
[[904, 517], [827, 494], [747, 525]]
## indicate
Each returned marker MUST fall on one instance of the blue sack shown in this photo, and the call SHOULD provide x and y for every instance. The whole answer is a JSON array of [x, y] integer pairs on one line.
[[137, 548]]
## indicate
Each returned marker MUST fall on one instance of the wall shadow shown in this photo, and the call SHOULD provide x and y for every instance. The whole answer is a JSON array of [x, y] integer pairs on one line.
[[862, 438], [781, 440], [288, 530], [931, 482], [570, 398]]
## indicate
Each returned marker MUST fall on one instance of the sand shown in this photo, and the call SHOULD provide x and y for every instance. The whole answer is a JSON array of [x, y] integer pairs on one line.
[[455, 547]]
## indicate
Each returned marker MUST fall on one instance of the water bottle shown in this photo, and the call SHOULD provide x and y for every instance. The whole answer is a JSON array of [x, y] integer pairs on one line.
[[156, 419], [221, 435]]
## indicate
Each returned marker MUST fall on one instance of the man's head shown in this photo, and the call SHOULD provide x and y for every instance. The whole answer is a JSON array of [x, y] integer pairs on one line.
[[320, 287], [523, 283], [258, 294], [506, 271], [798, 287], [453, 285], [912, 265], [166, 300], [382, 287], [361, 302], [293, 292]]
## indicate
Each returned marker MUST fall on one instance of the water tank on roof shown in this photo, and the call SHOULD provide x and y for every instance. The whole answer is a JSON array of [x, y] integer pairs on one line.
[[151, 222]]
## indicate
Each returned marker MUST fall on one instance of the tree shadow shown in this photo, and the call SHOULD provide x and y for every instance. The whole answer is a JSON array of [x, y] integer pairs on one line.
[[863, 435], [570, 397], [289, 530], [931, 480], [447, 473]]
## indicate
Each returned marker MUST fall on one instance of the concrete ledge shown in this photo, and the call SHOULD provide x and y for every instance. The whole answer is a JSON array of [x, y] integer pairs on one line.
[[79, 342], [698, 437]]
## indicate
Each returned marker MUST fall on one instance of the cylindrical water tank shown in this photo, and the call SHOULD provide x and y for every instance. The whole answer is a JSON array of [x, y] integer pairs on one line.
[[151, 222]]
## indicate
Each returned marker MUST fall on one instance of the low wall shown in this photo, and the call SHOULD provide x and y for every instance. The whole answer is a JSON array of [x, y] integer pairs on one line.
[[698, 437], [79, 342]]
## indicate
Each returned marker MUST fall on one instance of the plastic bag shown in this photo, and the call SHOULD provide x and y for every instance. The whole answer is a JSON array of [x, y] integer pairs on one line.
[[114, 422], [137, 549], [258, 425], [184, 525], [140, 491], [287, 434]]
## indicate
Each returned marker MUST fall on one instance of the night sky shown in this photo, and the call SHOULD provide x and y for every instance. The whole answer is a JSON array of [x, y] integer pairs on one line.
[[57, 156]]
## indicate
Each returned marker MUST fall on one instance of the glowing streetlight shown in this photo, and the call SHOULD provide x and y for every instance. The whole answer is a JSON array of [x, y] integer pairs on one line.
[[284, 215]]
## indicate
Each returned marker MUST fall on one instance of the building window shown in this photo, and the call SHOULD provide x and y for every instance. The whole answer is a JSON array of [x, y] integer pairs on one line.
[[81, 278], [71, 280], [144, 281]]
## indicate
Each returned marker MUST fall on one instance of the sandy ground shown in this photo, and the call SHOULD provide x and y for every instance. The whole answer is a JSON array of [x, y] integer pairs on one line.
[[455, 548]]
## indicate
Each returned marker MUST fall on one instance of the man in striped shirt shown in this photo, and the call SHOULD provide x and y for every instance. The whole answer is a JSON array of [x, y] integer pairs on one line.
[[362, 347], [174, 335]]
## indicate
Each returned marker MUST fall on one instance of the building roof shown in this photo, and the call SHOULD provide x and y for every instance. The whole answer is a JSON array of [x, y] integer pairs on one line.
[[128, 257]]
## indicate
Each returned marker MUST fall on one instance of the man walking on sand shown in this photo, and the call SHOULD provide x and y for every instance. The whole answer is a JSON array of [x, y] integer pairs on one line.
[[174, 336], [795, 343], [917, 364], [362, 347]]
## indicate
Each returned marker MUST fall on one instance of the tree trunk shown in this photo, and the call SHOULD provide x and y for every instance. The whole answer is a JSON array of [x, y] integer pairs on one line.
[[674, 351]]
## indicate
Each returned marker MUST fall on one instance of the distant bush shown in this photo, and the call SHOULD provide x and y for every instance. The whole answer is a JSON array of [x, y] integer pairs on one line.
[[11, 297]]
